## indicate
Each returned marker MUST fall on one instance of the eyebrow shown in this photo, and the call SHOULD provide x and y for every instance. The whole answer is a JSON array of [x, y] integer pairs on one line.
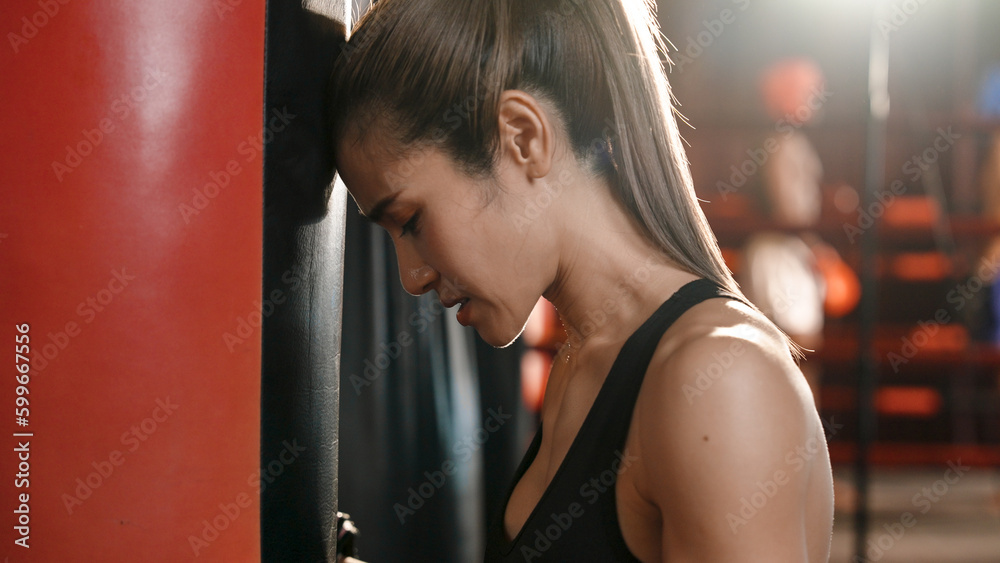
[[375, 215]]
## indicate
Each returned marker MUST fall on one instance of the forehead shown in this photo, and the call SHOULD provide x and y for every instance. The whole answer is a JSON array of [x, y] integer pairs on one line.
[[366, 168], [373, 175]]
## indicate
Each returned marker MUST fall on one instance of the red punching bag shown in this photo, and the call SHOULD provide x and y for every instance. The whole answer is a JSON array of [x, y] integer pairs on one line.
[[131, 170]]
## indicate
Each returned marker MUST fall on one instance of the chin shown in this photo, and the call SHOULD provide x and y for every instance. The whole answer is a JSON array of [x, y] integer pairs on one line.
[[499, 338]]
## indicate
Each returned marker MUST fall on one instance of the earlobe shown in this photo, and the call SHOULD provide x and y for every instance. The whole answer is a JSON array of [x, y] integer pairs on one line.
[[526, 132]]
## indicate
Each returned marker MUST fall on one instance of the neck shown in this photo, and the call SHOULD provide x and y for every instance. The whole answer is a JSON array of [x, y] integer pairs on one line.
[[610, 278]]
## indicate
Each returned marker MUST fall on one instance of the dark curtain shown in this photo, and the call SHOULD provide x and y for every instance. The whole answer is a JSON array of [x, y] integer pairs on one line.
[[420, 467]]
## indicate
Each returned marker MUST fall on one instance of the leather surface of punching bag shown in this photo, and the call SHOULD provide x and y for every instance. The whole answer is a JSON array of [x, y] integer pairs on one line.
[[303, 275], [132, 225], [181, 328]]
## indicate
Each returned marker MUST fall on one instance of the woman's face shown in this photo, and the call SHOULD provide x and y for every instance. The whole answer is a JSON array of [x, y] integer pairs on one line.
[[450, 239]]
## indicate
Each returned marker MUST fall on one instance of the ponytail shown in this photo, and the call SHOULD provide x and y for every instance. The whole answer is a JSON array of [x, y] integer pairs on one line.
[[431, 72]]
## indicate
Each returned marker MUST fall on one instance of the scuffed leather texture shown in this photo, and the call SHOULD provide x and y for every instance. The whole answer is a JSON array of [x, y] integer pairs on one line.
[[302, 282]]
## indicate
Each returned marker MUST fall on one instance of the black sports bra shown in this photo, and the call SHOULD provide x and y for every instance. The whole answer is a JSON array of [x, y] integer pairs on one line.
[[576, 518]]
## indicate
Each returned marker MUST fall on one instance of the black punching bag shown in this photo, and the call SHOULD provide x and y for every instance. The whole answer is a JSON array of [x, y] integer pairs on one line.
[[302, 286]]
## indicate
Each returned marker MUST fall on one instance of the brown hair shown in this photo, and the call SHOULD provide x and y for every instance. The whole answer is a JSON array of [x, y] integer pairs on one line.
[[432, 71]]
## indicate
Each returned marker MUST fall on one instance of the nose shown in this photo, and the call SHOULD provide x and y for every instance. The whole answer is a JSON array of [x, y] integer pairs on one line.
[[416, 276]]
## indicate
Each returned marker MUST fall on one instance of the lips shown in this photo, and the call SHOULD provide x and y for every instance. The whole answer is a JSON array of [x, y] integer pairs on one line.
[[452, 302], [463, 313]]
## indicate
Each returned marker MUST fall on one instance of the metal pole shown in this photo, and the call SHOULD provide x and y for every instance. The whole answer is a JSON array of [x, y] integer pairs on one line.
[[878, 112]]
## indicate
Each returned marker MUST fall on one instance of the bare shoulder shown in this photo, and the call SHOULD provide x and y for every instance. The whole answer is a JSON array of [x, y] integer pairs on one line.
[[723, 341], [722, 412]]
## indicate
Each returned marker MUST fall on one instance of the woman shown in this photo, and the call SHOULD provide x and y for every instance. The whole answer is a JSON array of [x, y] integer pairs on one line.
[[523, 148]]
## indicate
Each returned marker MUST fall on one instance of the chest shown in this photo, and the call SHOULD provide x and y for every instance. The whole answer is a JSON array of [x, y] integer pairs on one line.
[[568, 404]]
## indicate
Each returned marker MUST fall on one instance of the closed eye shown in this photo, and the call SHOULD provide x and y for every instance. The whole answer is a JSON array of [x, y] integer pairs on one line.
[[411, 225]]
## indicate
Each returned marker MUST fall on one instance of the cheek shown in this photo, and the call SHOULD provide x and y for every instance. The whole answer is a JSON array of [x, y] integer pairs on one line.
[[443, 247], [436, 243], [462, 240]]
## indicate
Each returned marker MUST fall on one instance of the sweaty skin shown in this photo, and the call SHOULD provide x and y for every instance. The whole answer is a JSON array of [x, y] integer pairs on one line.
[[749, 435]]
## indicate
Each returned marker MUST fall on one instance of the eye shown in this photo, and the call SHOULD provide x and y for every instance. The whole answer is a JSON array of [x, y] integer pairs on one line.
[[411, 225]]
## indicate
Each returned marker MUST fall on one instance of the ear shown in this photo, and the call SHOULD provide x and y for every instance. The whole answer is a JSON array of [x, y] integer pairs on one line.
[[526, 132]]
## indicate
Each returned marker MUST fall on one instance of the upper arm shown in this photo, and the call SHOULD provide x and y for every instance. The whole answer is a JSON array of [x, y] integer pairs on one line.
[[726, 437]]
